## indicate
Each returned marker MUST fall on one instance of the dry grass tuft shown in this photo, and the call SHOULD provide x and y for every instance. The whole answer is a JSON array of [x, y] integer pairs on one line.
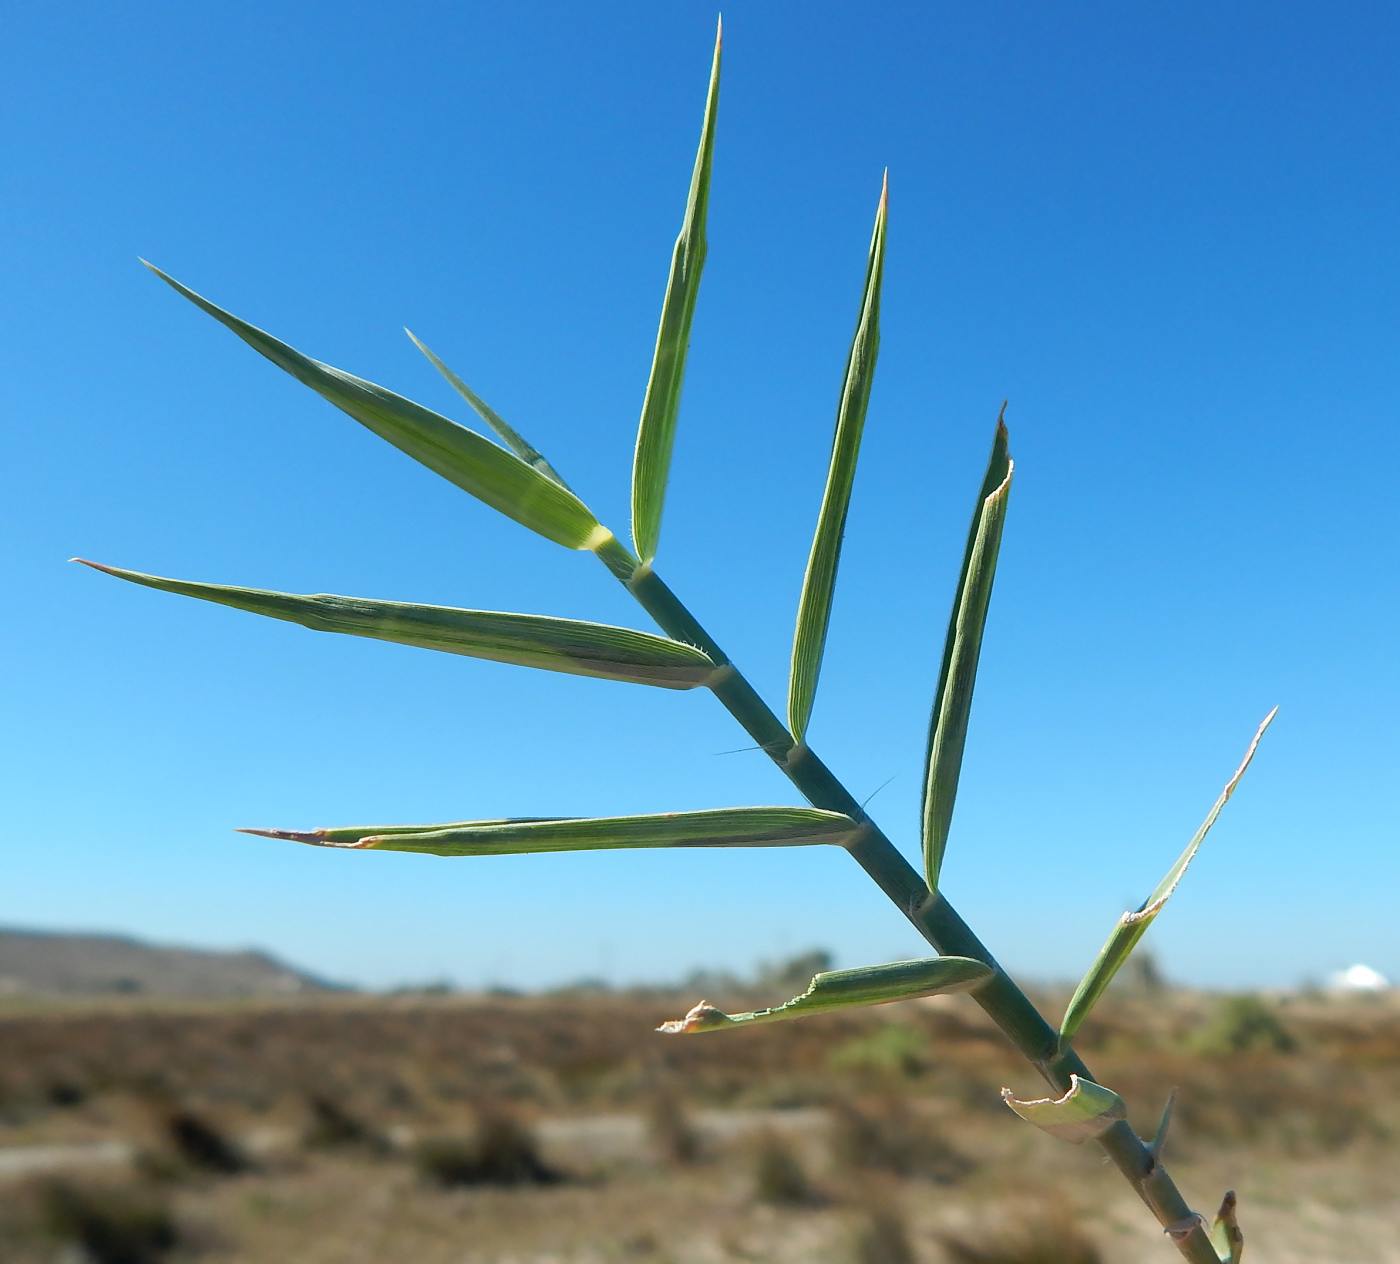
[[1018, 1234], [779, 1178], [124, 1224], [887, 1136], [501, 1152]]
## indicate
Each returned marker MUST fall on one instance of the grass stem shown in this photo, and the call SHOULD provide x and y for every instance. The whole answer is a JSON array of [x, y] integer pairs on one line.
[[931, 914]]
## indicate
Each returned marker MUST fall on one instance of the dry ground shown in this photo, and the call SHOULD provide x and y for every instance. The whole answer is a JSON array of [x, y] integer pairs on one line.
[[364, 1131]]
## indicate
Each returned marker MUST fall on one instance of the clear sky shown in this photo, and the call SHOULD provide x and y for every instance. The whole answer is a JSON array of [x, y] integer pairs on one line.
[[1167, 233]]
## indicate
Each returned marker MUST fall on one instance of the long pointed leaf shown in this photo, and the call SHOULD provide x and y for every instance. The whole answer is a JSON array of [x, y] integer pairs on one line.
[[961, 650], [459, 455], [352, 835], [716, 827], [1132, 926], [814, 609], [651, 465], [1159, 1138], [529, 640], [837, 989], [511, 437]]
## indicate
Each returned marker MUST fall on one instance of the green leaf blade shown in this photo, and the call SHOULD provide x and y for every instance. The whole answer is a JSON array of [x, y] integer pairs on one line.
[[651, 466], [461, 456], [715, 827], [840, 989], [563, 645], [819, 583], [961, 651], [512, 438], [1132, 926]]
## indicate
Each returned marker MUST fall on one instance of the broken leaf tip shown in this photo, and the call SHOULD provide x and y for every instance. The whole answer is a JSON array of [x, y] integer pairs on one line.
[[704, 1017], [1085, 1111], [317, 838]]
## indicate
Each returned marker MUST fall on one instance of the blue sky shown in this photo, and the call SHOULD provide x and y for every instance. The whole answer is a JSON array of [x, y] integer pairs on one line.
[[1166, 233]]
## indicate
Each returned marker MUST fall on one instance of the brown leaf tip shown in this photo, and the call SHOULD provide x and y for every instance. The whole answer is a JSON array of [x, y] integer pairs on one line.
[[317, 838], [704, 1017]]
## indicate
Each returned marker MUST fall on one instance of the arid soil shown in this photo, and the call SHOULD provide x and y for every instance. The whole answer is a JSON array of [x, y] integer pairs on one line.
[[448, 1130]]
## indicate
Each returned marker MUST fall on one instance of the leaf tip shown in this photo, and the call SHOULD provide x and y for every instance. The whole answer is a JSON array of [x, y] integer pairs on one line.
[[703, 1017], [97, 566], [315, 837]]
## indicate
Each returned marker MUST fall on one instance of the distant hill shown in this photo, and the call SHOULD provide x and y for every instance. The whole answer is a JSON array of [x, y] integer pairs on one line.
[[40, 963]]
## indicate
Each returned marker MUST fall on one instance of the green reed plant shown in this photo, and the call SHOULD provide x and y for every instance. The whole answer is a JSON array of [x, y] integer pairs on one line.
[[514, 478]]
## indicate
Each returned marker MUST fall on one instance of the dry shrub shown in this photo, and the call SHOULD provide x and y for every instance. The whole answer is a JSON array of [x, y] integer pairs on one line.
[[889, 1136], [1038, 1233], [779, 1179], [202, 1146], [1244, 1024], [882, 1237], [124, 1224], [892, 1049], [671, 1133], [1297, 1105], [334, 1127], [501, 1152]]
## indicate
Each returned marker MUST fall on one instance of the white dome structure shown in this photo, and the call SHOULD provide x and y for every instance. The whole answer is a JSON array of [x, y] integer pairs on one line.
[[1359, 978]]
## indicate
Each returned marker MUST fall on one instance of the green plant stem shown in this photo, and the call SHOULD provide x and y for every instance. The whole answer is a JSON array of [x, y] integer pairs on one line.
[[931, 914]]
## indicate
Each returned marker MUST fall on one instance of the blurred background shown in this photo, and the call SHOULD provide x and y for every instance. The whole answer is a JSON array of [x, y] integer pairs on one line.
[[1164, 233]]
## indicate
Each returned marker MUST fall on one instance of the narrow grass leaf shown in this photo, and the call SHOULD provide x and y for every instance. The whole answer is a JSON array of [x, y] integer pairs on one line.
[[961, 650], [814, 609], [838, 989], [1084, 1112], [349, 835], [459, 455], [1132, 926], [508, 435], [563, 645], [716, 827], [1159, 1140], [656, 434]]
